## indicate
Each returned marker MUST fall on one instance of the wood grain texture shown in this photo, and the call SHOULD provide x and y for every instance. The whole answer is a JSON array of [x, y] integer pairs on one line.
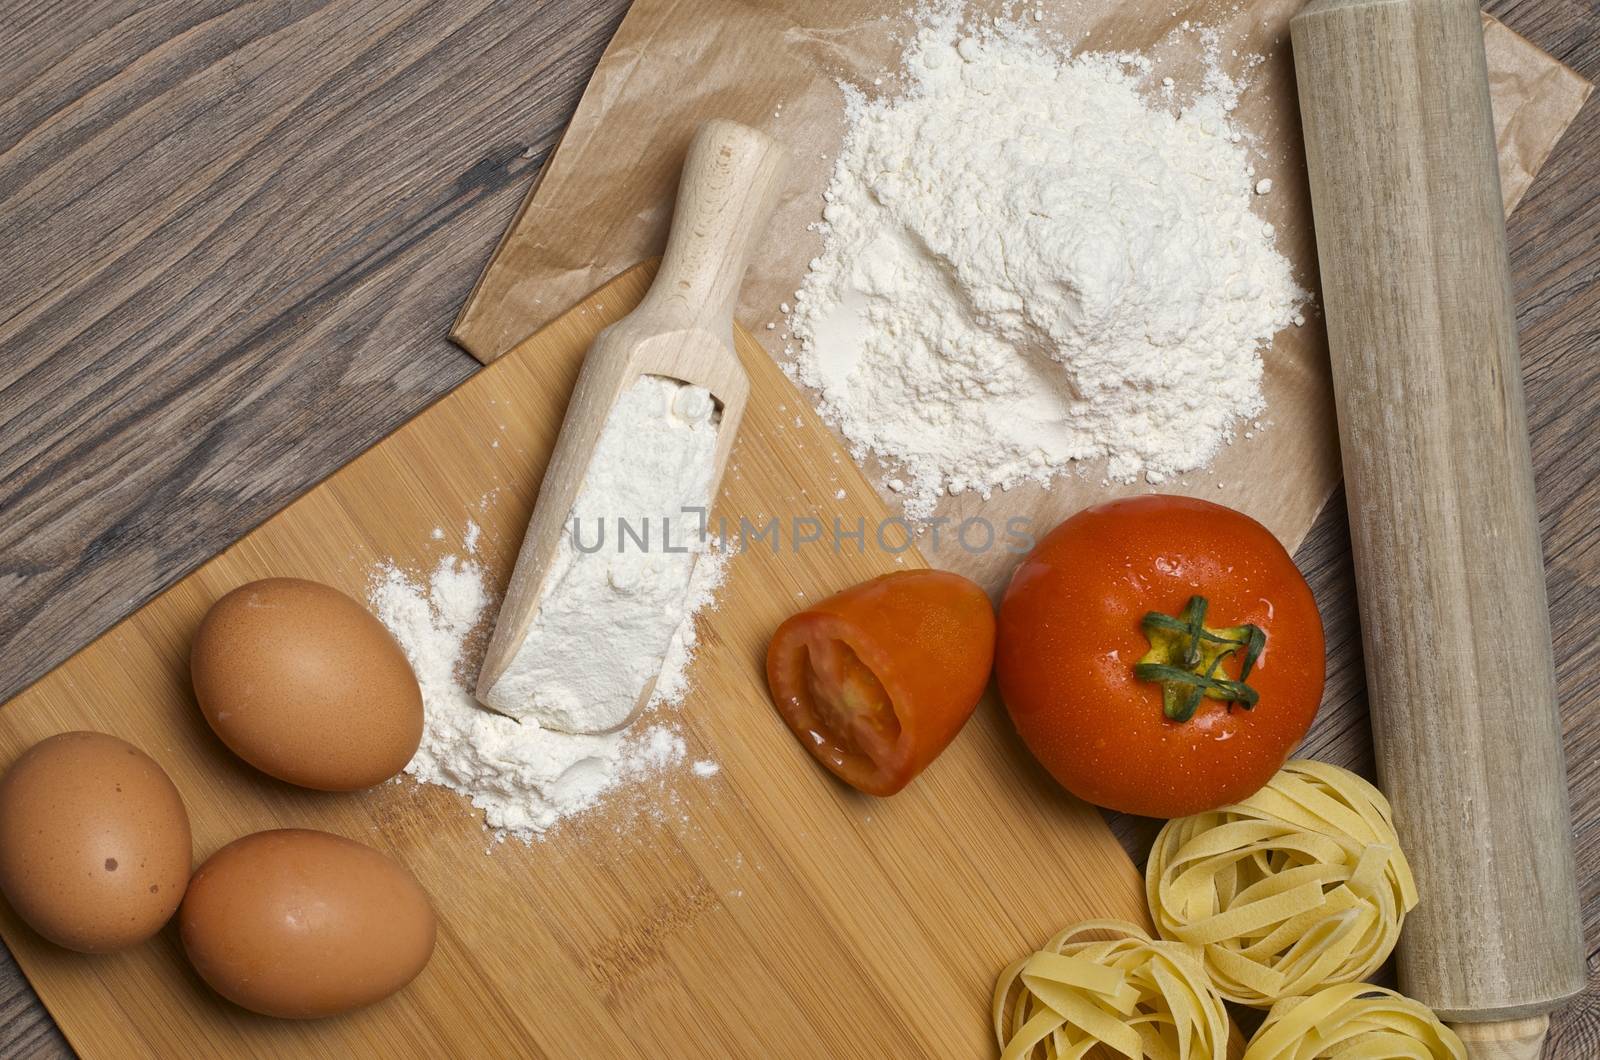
[[1506, 1040], [1416, 292], [173, 470], [232, 238], [1556, 265], [766, 911]]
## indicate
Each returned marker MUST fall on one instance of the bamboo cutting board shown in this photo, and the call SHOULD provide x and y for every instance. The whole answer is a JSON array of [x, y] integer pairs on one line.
[[764, 911]]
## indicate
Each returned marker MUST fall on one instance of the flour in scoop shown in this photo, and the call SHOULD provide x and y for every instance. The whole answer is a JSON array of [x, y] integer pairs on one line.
[[618, 585], [1028, 265]]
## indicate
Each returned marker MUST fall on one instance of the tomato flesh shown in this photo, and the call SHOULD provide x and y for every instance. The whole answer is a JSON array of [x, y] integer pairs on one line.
[[850, 701], [847, 713]]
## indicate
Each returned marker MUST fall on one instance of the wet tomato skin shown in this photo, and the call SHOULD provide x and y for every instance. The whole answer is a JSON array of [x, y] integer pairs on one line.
[[1070, 633]]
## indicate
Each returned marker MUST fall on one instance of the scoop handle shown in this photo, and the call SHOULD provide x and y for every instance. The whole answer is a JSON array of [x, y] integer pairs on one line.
[[730, 184]]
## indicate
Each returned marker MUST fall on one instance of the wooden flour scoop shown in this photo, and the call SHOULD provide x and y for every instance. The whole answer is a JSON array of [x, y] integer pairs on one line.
[[683, 330]]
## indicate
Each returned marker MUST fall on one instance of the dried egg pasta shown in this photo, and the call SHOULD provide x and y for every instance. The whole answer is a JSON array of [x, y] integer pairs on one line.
[[1354, 1021], [1301, 885], [1106, 983]]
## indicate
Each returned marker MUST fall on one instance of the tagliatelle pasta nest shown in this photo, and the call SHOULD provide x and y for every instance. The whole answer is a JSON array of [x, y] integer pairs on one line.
[[1137, 996], [1301, 885], [1354, 1021]]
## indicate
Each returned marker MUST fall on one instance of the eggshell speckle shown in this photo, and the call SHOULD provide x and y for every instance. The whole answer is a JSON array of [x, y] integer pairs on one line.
[[303, 683], [301, 924], [94, 842]]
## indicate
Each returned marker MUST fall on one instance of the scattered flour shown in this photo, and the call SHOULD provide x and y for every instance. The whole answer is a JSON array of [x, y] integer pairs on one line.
[[524, 778], [673, 681], [1026, 264], [619, 581]]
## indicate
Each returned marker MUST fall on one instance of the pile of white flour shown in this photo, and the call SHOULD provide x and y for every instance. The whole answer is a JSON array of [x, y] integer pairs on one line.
[[523, 777], [619, 579], [1027, 264]]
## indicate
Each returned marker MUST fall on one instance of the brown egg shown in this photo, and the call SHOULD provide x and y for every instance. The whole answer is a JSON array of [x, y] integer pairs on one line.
[[303, 683], [94, 842], [300, 924]]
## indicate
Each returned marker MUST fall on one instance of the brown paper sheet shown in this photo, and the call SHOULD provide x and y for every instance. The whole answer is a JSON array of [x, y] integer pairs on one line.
[[1535, 98], [604, 198]]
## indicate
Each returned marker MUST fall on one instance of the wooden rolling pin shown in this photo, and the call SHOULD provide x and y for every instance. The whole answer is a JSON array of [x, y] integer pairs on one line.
[[1394, 98]]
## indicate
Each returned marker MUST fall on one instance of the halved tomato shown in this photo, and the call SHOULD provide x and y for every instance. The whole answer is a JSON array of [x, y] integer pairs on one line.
[[877, 680]]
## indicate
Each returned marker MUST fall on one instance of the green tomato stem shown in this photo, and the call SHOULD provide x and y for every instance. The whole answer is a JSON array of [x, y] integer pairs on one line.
[[1185, 658]]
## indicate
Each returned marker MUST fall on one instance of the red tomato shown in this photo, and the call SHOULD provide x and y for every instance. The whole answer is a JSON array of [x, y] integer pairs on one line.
[[877, 680], [1160, 655]]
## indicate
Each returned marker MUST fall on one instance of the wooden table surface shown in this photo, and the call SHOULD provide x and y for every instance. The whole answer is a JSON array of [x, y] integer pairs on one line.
[[233, 236]]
